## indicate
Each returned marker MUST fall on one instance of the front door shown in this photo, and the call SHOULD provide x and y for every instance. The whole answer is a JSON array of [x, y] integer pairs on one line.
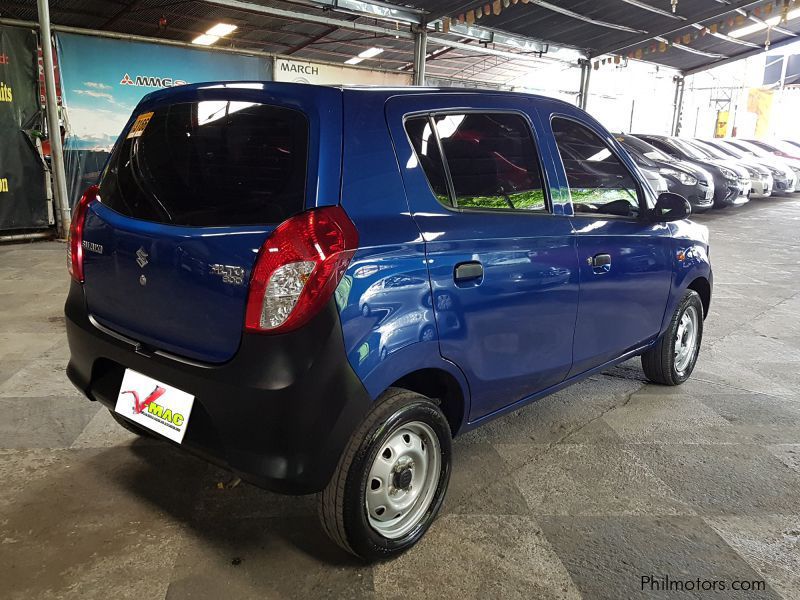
[[624, 259], [501, 257]]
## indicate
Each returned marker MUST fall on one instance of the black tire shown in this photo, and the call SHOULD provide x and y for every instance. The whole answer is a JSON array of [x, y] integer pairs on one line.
[[659, 363], [342, 505], [140, 431]]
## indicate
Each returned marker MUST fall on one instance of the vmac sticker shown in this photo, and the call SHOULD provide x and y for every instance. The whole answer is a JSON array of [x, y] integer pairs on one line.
[[154, 405], [139, 125]]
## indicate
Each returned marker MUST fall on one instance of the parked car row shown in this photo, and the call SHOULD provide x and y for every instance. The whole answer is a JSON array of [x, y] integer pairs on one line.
[[716, 172]]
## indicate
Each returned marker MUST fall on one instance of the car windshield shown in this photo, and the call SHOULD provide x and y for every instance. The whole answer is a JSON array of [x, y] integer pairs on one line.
[[790, 144], [709, 149], [643, 148], [725, 150], [751, 148], [731, 149], [210, 163], [689, 150], [786, 147]]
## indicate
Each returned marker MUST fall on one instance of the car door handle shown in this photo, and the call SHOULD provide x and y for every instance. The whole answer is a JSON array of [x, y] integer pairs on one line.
[[600, 263], [468, 272]]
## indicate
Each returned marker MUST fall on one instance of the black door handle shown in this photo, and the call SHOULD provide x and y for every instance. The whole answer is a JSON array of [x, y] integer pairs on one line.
[[468, 271]]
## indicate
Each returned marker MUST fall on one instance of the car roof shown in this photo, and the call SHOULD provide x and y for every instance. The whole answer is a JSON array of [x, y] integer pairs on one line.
[[385, 91]]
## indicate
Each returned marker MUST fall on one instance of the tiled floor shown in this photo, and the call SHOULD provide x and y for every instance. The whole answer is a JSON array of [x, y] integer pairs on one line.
[[579, 495]]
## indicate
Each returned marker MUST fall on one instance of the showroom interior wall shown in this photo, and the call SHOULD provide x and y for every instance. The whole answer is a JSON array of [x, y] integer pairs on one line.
[[23, 202]]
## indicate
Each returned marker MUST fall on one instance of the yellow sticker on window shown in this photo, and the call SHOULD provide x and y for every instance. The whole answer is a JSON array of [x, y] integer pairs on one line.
[[138, 127]]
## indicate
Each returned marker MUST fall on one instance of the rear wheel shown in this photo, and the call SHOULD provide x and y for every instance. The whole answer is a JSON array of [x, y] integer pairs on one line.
[[671, 360], [391, 479]]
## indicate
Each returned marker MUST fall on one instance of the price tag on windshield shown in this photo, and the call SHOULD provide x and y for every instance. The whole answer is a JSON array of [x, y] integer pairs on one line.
[[138, 127]]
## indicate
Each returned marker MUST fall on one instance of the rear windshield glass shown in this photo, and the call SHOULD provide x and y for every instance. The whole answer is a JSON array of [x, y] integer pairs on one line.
[[210, 163]]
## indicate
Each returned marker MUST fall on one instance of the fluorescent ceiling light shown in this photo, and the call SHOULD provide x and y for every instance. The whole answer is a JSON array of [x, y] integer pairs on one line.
[[205, 40], [213, 35], [771, 22], [368, 53], [221, 29]]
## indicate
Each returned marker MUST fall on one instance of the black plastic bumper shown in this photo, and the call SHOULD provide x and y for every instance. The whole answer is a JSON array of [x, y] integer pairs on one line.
[[278, 414]]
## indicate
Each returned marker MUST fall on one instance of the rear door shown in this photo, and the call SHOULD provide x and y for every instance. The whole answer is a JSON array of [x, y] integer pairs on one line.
[[501, 255], [624, 259], [193, 188]]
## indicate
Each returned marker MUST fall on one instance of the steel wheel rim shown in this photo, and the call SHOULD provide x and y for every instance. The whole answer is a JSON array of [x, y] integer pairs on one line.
[[686, 339], [410, 455]]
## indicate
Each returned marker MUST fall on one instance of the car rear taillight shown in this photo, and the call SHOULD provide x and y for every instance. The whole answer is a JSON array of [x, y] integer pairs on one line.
[[75, 241], [298, 269]]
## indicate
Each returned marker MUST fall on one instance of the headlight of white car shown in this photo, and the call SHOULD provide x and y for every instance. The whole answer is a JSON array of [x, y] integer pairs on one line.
[[682, 176]]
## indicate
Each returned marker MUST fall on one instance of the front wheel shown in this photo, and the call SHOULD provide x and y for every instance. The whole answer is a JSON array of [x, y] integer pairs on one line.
[[671, 360], [391, 479]]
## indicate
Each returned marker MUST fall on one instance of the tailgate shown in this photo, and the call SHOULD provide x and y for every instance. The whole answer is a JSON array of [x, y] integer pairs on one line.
[[193, 188], [177, 289]]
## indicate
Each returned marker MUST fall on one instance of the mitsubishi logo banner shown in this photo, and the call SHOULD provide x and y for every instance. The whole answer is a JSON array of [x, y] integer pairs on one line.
[[23, 203], [104, 79]]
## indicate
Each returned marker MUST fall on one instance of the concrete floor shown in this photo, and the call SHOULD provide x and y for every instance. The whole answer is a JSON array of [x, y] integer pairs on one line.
[[579, 495]]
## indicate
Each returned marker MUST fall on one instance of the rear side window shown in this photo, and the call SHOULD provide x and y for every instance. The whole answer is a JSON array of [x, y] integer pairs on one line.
[[210, 163], [490, 160], [599, 183]]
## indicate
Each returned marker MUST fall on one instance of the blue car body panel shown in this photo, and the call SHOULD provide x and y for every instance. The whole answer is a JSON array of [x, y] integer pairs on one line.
[[183, 308], [522, 311]]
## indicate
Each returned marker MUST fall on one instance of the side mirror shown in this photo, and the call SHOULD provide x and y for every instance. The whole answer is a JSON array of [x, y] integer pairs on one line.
[[671, 207]]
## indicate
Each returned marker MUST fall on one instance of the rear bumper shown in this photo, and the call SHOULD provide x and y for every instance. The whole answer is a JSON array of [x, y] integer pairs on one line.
[[278, 414]]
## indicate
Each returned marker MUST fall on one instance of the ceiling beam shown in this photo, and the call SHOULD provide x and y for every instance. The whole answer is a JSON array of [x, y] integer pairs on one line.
[[569, 13], [358, 26], [756, 19], [735, 57], [260, 9], [435, 15], [690, 50], [712, 13], [653, 9], [727, 38]]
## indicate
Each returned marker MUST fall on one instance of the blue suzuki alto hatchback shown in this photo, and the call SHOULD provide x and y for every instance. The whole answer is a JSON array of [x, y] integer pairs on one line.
[[318, 287]]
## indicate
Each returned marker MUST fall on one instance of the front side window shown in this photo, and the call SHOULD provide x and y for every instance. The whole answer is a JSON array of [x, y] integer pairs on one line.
[[599, 183], [490, 160]]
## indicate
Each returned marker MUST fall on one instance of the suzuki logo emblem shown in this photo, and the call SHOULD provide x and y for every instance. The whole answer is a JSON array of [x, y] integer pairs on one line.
[[141, 257]]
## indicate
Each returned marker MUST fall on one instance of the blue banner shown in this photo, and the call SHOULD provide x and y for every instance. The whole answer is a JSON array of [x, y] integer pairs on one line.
[[103, 79]]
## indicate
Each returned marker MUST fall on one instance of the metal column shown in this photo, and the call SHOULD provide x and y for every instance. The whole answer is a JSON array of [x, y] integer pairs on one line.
[[586, 73], [63, 213], [420, 52], [677, 107]]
